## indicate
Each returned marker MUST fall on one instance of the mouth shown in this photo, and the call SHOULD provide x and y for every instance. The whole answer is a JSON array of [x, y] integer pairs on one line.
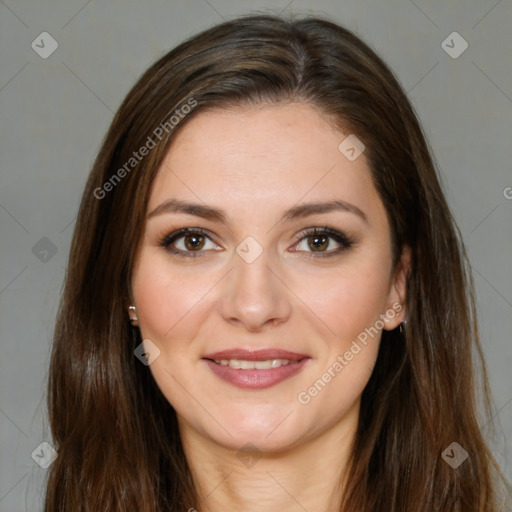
[[240, 364], [258, 369]]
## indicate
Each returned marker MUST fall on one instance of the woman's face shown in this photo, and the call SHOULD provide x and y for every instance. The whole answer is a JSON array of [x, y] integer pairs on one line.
[[252, 286]]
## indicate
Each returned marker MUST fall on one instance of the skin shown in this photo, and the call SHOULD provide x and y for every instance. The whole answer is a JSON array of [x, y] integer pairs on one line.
[[255, 163]]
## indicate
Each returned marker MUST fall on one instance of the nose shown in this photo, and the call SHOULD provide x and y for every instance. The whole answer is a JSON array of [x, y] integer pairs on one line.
[[254, 296]]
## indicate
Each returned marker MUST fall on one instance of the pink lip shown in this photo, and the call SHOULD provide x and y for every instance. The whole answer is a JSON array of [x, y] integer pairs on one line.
[[256, 379], [256, 355]]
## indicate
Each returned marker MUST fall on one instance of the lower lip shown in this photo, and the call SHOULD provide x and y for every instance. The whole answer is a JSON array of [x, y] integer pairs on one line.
[[256, 379]]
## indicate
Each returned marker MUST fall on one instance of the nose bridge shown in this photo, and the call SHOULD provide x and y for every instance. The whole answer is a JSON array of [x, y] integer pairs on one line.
[[254, 295]]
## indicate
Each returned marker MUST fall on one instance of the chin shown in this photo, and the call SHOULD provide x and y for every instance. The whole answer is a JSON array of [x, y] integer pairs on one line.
[[270, 433], [248, 441]]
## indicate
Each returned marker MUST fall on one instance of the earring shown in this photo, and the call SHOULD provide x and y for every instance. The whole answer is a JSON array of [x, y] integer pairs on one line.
[[403, 325], [133, 315]]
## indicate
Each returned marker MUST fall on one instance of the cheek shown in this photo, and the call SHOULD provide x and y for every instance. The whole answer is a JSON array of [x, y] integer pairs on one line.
[[157, 304], [347, 299], [351, 306], [164, 296]]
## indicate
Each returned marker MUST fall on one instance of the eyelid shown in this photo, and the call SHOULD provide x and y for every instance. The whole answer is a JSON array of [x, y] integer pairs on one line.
[[171, 238], [315, 230], [186, 231], [341, 238]]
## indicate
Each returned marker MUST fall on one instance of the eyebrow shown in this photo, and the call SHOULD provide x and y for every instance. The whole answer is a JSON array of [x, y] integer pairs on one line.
[[296, 212]]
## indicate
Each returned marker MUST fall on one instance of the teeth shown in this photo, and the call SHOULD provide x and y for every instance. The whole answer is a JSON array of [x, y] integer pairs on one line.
[[253, 365]]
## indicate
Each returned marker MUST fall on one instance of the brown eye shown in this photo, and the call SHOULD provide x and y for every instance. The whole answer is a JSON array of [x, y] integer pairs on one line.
[[322, 242], [188, 242], [318, 243], [194, 241]]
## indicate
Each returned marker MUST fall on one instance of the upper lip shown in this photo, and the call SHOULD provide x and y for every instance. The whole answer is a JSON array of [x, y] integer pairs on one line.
[[255, 355]]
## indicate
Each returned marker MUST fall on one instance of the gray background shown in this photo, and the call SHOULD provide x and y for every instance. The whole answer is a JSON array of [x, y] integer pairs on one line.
[[55, 112]]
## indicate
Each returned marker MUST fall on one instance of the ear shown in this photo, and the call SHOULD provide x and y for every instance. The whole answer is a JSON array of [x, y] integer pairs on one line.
[[395, 308]]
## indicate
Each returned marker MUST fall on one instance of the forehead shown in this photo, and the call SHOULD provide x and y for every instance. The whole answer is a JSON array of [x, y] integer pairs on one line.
[[262, 159]]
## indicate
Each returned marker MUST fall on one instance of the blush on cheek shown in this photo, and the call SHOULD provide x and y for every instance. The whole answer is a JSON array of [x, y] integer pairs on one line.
[[347, 315], [156, 311], [161, 300]]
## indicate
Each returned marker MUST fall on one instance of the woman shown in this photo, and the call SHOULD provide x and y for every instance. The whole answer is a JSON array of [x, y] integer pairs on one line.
[[267, 305]]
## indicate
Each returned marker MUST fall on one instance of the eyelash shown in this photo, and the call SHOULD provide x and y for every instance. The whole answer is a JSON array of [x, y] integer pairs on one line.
[[345, 241]]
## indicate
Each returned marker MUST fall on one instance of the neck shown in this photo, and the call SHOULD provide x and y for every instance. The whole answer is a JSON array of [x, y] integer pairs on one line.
[[308, 476]]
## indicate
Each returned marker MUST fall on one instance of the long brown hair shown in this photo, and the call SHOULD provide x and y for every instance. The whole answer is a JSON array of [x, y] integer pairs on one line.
[[117, 436]]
